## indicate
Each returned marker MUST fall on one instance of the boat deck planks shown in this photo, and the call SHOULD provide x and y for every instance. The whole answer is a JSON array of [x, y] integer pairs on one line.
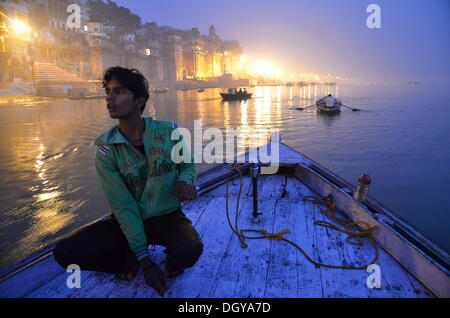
[[335, 251], [282, 276], [31, 278], [242, 272], [267, 268]]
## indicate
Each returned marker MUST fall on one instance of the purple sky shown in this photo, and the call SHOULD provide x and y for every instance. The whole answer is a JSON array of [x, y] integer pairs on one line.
[[323, 36]]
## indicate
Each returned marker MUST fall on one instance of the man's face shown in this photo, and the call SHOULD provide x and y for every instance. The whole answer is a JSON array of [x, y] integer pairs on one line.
[[120, 100]]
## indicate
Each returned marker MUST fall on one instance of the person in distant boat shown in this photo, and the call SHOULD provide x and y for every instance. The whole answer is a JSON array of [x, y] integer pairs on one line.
[[245, 90], [327, 100], [240, 90], [233, 91], [144, 188]]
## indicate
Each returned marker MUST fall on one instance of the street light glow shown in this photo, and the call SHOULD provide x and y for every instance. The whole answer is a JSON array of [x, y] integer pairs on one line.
[[19, 26]]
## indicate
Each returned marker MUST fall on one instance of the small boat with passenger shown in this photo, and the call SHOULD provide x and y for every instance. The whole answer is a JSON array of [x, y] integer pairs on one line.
[[233, 94], [84, 93], [156, 90], [328, 105]]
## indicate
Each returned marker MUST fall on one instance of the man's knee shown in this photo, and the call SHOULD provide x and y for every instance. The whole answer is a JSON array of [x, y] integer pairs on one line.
[[189, 252]]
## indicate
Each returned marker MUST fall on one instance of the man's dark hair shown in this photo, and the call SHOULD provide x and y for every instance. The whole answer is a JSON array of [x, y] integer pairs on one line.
[[129, 78]]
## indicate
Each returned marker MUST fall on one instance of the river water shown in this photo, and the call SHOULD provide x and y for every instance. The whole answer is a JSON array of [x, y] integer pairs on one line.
[[401, 139]]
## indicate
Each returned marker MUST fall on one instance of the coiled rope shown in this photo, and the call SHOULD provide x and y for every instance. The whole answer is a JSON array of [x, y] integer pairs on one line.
[[355, 230]]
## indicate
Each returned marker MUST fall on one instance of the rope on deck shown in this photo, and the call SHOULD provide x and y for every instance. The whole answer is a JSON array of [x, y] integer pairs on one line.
[[353, 230]]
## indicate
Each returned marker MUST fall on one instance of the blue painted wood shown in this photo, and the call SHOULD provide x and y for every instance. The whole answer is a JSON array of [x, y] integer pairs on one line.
[[57, 287], [309, 283], [26, 281], [243, 271], [212, 228], [290, 274], [333, 250]]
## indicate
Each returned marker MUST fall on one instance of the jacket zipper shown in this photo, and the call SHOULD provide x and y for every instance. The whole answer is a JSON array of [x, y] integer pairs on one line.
[[148, 169]]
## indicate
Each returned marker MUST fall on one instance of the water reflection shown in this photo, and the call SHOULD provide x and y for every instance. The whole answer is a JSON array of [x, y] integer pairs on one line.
[[45, 179], [328, 119]]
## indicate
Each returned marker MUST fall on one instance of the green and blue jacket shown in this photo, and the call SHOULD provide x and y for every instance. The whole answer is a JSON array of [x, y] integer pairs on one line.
[[139, 187]]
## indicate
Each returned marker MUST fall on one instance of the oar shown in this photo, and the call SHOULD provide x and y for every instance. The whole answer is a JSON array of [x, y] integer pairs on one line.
[[354, 109], [299, 108]]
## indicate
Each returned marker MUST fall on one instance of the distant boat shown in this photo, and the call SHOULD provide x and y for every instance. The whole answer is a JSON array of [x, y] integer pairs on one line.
[[201, 90], [158, 90], [83, 93], [237, 96], [87, 97], [413, 83], [323, 107]]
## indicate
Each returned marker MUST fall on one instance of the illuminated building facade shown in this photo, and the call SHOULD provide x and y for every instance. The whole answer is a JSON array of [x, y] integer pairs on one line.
[[34, 32]]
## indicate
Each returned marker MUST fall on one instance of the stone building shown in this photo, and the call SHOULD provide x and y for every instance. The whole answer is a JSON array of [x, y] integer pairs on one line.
[[55, 42], [161, 53], [15, 40]]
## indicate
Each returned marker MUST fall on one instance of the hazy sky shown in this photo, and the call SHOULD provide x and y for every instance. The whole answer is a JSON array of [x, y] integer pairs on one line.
[[323, 36]]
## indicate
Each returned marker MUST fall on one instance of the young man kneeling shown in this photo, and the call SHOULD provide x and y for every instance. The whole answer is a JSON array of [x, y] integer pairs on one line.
[[144, 188]]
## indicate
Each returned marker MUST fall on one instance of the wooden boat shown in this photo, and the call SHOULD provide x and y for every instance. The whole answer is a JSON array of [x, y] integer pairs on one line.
[[87, 97], [83, 93], [410, 264], [200, 90], [156, 90], [237, 96], [322, 107]]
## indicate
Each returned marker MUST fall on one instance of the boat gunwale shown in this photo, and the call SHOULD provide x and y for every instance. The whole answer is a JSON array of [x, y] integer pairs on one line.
[[378, 206], [438, 268], [410, 231], [42, 253]]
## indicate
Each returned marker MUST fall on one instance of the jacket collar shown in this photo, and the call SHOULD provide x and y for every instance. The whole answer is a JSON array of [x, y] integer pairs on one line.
[[113, 135]]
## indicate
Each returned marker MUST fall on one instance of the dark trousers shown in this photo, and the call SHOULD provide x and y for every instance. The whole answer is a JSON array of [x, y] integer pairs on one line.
[[103, 247]]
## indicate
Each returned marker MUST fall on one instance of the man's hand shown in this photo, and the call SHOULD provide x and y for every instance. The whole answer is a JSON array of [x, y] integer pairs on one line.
[[185, 191], [154, 276]]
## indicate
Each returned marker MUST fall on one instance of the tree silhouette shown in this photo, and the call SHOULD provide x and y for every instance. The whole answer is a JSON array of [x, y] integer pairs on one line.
[[110, 13]]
